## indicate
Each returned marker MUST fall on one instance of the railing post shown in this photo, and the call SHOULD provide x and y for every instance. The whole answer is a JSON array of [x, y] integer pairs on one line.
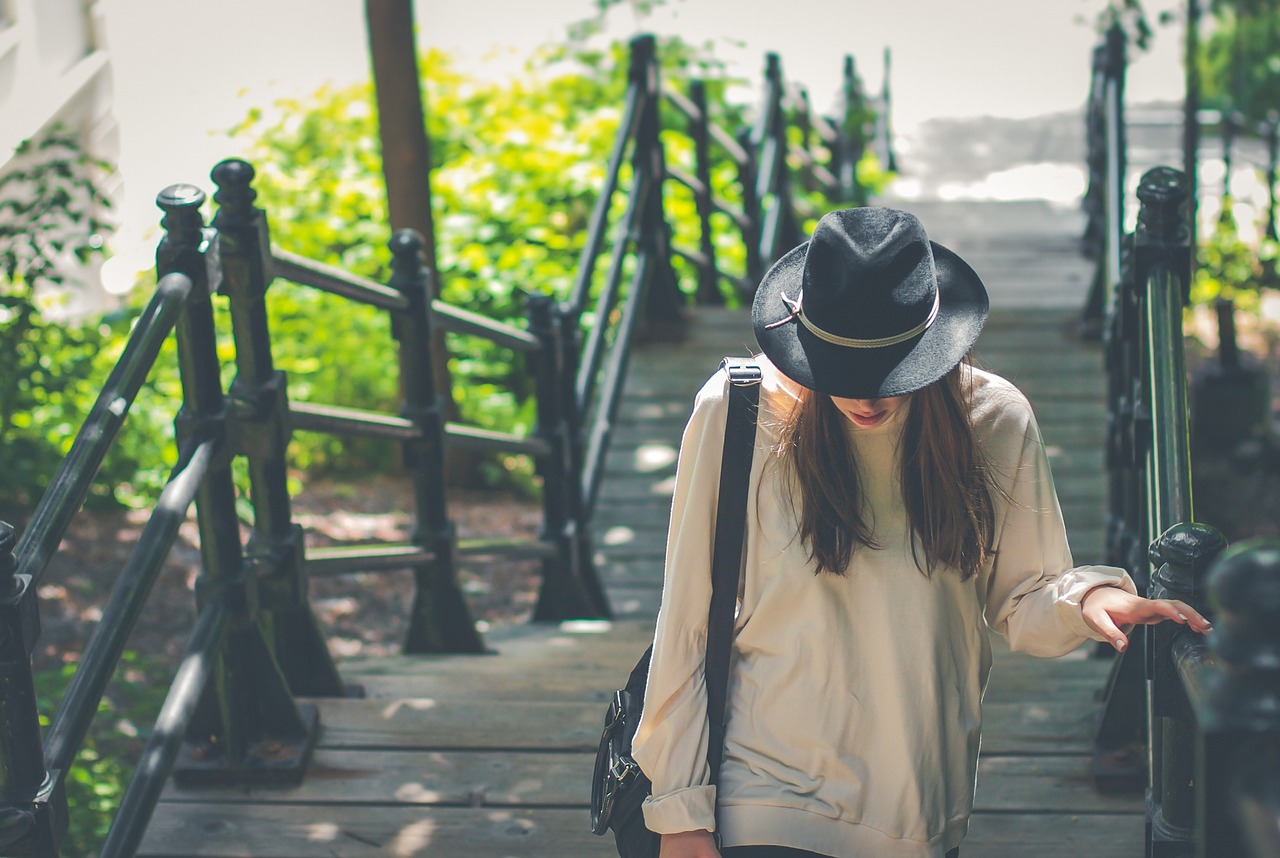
[[440, 620], [1240, 721], [1230, 123], [884, 115], [845, 143], [804, 123], [247, 726], [33, 807], [1161, 248], [259, 430], [1139, 506], [1184, 554], [1191, 118], [664, 310], [570, 587], [748, 173], [772, 181], [1273, 155], [1094, 239], [708, 281], [1112, 174]]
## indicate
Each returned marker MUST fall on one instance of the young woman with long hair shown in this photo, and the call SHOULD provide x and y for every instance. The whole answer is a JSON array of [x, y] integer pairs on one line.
[[901, 505]]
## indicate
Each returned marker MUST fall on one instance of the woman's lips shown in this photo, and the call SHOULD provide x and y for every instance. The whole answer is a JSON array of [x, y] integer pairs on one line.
[[866, 421]]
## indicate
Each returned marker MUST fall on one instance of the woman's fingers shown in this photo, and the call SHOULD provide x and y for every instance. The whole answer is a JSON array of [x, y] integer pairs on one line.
[[1105, 625], [1157, 610], [1110, 610], [1194, 618]]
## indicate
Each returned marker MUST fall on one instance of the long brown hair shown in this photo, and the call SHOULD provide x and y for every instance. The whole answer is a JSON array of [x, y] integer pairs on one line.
[[946, 486]]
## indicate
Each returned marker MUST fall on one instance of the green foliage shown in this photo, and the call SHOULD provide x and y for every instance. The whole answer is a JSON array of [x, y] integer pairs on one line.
[[1230, 267], [1240, 61], [49, 226], [97, 780], [518, 166]]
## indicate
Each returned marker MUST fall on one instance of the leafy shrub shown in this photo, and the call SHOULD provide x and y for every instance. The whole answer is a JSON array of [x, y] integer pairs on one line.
[[97, 779]]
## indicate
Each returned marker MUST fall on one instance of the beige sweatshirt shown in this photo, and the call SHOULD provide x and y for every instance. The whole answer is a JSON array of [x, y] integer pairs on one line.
[[854, 707]]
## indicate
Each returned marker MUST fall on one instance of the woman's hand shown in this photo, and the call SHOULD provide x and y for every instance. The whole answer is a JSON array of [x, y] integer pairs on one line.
[[1113, 612], [689, 844]]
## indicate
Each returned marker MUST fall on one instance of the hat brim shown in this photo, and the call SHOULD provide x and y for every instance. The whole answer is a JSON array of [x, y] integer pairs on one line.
[[876, 373]]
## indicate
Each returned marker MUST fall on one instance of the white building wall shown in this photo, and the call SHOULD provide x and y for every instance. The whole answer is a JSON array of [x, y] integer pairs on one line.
[[54, 70]]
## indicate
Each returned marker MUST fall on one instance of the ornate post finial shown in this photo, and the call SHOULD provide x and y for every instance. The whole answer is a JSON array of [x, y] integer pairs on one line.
[[181, 205], [1162, 192], [235, 194], [406, 247], [643, 48], [1183, 555]]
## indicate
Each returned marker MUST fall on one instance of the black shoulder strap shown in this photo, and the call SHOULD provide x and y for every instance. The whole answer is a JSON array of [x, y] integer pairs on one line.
[[726, 561]]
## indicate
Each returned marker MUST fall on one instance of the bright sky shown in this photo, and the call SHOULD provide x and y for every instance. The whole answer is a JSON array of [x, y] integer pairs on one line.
[[184, 70]]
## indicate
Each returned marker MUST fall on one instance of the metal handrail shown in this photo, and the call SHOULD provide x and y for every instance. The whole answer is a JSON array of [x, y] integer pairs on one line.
[[637, 99], [593, 351], [335, 281], [161, 751], [456, 320], [602, 427], [1207, 703], [128, 597], [70, 484], [1170, 450], [730, 146]]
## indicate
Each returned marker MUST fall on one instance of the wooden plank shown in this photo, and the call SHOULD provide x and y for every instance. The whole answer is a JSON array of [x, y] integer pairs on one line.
[[635, 601], [1018, 835], [1032, 727], [1045, 784], [336, 831], [425, 723], [1038, 784], [415, 777], [310, 831]]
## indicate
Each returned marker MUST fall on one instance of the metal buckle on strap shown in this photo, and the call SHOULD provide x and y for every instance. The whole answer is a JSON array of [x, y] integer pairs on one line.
[[742, 371], [623, 769]]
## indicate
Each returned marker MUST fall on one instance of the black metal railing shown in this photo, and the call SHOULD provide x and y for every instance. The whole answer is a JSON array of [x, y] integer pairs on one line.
[[1205, 708], [1106, 161], [588, 390], [788, 147]]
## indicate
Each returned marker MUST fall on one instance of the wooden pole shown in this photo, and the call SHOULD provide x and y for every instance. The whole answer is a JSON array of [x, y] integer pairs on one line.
[[406, 155]]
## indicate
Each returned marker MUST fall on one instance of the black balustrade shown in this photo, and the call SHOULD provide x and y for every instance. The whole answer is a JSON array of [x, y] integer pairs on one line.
[[440, 620], [1207, 710], [260, 430], [1104, 202], [243, 723]]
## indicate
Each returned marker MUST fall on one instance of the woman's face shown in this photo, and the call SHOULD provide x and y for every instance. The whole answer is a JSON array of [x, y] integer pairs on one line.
[[866, 413]]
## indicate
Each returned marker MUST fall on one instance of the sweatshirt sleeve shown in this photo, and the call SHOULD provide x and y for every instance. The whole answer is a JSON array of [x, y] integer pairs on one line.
[[670, 744], [1032, 589]]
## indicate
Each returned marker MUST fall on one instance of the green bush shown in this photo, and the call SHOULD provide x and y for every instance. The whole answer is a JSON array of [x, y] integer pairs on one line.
[[97, 779], [518, 168]]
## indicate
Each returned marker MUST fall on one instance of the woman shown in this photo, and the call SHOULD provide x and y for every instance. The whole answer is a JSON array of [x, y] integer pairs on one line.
[[905, 505]]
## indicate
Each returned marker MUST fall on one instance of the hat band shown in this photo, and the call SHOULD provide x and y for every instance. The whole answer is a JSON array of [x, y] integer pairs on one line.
[[797, 312]]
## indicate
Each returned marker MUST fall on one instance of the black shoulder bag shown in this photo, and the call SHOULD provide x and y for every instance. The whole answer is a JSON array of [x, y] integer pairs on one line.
[[619, 787]]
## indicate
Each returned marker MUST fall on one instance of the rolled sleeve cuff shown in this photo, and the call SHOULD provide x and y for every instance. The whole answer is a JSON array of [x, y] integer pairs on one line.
[[1082, 580], [687, 809]]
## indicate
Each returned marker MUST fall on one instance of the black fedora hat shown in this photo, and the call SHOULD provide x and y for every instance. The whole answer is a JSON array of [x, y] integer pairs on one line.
[[869, 307]]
